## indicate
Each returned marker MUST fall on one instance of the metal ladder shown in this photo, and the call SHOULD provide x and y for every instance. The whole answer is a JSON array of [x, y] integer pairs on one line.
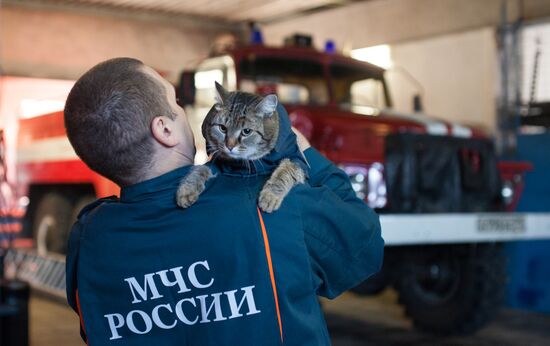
[[43, 272]]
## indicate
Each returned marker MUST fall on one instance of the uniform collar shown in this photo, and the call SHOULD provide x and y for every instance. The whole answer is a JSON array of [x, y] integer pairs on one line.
[[149, 187]]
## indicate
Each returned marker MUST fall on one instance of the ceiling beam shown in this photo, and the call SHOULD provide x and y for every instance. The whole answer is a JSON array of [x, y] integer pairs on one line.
[[330, 4]]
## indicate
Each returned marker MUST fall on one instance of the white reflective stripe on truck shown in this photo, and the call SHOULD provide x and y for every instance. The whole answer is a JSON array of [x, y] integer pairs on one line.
[[49, 149], [433, 126], [417, 229]]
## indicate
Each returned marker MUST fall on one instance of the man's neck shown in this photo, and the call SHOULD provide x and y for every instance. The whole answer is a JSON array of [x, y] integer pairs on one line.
[[166, 162]]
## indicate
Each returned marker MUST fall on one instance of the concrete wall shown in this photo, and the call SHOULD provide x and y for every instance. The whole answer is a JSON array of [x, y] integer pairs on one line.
[[61, 44]]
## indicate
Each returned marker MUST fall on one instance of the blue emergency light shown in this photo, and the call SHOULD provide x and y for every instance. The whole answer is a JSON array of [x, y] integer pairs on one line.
[[256, 36], [330, 47]]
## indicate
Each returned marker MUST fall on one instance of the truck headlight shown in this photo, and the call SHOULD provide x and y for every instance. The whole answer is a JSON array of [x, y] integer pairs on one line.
[[508, 192], [368, 183]]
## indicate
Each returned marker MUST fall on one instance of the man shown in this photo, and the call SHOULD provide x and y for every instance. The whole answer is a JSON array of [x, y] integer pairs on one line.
[[141, 271]]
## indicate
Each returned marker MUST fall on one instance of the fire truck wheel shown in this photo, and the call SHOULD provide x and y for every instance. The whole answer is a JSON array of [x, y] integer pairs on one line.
[[52, 223], [452, 289]]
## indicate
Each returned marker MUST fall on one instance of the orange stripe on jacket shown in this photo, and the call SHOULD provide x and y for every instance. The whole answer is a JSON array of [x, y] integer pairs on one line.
[[80, 316], [272, 276]]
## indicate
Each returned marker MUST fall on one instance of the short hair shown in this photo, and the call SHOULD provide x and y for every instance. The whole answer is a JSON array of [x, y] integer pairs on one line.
[[108, 116]]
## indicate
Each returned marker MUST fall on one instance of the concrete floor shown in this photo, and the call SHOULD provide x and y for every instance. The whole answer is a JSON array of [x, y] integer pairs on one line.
[[352, 321], [379, 321]]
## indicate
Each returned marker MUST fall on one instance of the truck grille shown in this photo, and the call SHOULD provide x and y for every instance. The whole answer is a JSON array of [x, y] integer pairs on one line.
[[439, 174]]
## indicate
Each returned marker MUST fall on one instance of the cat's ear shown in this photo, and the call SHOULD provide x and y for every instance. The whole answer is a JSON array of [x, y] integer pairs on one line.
[[221, 94], [267, 106]]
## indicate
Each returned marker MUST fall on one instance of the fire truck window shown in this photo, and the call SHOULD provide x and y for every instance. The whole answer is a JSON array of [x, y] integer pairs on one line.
[[220, 69], [357, 86], [294, 81], [287, 93], [368, 92], [204, 85]]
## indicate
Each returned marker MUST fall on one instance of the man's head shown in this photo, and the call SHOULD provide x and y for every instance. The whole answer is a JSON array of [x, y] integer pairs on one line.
[[123, 121]]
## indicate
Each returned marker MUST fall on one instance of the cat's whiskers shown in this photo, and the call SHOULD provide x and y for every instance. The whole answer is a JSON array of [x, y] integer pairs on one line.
[[260, 162], [254, 164], [248, 166]]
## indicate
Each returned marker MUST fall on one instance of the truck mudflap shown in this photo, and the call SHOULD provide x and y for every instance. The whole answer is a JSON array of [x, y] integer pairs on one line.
[[441, 174], [421, 229]]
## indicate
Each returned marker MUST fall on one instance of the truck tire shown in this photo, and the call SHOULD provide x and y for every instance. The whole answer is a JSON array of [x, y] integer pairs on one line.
[[452, 289], [52, 222]]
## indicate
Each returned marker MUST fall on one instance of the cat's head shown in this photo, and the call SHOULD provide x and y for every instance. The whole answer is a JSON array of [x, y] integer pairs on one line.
[[241, 126]]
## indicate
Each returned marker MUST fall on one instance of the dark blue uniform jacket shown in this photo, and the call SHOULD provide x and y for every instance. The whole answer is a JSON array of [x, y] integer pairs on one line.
[[141, 271]]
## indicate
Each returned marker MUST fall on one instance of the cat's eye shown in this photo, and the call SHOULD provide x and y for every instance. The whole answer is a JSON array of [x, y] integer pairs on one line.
[[223, 129], [246, 132]]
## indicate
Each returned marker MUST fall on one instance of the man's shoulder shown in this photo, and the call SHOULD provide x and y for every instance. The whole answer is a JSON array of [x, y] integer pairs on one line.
[[307, 190], [94, 205]]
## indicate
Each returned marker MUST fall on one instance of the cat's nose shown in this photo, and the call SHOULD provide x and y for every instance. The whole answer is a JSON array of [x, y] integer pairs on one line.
[[231, 144]]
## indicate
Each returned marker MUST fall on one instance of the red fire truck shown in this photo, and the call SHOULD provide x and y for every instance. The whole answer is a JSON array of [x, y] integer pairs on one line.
[[444, 199]]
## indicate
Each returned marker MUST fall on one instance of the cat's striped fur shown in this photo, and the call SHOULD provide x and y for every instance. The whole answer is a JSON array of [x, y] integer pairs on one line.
[[245, 127]]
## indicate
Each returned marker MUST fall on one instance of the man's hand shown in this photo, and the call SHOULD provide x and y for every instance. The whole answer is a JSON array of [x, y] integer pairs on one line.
[[302, 141]]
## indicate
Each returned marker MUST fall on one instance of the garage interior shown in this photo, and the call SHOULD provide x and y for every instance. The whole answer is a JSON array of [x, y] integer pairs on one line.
[[474, 75]]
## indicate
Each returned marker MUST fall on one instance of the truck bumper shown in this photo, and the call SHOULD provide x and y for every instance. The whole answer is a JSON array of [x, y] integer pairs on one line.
[[422, 229]]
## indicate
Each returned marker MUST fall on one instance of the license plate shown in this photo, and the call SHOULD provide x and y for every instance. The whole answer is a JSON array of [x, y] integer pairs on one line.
[[501, 224]]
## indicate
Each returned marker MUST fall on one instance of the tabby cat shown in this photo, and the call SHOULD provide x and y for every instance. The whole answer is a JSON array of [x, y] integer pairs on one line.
[[243, 127]]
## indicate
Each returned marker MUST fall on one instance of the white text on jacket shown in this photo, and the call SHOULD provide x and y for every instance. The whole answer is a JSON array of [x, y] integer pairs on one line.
[[209, 308]]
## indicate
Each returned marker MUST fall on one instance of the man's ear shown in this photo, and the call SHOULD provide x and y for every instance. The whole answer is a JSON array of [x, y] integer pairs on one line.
[[162, 128]]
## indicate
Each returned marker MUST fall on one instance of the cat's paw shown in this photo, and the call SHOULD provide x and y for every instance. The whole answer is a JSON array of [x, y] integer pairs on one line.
[[187, 196], [269, 201], [192, 185]]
